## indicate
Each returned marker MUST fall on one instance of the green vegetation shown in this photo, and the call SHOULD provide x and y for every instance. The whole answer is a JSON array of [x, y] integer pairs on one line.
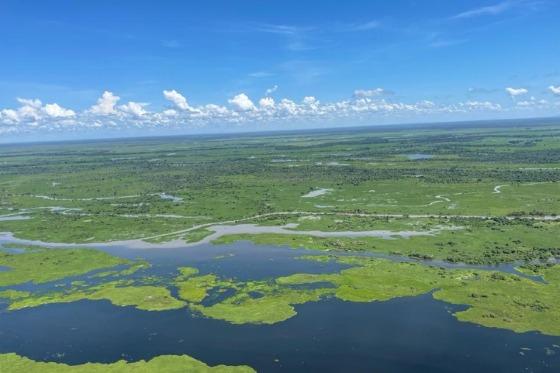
[[509, 302], [478, 241], [148, 298], [487, 195], [257, 302], [13, 294], [495, 299], [376, 280], [260, 303], [12, 363], [196, 235], [41, 265], [128, 189], [137, 266], [194, 288]]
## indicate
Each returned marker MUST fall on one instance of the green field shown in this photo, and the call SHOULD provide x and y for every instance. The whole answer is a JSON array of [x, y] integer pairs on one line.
[[101, 191]]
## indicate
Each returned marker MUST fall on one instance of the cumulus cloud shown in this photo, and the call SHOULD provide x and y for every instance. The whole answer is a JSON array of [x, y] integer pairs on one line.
[[266, 102], [32, 112], [481, 105], [30, 102], [532, 103], [57, 111], [134, 108], [554, 90], [105, 104], [514, 92], [364, 106], [242, 102], [9, 116], [177, 99], [287, 107], [310, 100]]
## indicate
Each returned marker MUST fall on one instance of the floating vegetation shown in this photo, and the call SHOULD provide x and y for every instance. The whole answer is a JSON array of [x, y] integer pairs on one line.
[[13, 363]]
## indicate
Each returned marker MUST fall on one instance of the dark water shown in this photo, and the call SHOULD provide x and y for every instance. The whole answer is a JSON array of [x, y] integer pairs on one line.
[[402, 335], [417, 334], [241, 260]]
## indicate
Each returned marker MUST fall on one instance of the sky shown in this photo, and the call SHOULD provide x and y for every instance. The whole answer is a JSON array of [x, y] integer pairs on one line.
[[86, 69]]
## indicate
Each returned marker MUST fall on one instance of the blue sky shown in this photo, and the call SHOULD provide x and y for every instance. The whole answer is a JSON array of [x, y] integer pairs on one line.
[[246, 65]]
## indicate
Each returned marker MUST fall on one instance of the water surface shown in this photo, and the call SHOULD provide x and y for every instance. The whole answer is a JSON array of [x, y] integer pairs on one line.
[[401, 335]]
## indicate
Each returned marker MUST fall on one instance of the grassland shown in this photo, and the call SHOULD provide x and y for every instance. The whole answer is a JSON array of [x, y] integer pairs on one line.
[[96, 192], [12, 363], [148, 298], [474, 241], [40, 265]]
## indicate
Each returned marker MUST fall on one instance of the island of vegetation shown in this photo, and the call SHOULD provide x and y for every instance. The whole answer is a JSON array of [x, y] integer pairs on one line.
[[494, 299], [12, 363]]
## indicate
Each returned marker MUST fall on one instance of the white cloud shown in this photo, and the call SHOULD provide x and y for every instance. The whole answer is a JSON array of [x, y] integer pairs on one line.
[[215, 110], [134, 108], [361, 93], [9, 116], [554, 90], [271, 90], [514, 92], [532, 103], [242, 103], [365, 106], [57, 111], [266, 102], [281, 29], [169, 113], [499, 8], [481, 105], [287, 107], [177, 99], [310, 100], [105, 104], [26, 102], [486, 10], [32, 112]]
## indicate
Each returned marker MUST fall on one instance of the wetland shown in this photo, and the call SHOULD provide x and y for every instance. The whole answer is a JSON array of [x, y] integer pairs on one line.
[[429, 250]]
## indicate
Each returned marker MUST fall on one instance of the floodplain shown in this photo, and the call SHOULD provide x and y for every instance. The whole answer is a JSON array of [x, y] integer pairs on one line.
[[292, 247]]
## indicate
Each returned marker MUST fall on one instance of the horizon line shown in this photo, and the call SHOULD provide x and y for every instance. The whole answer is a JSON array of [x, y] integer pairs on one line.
[[401, 126]]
